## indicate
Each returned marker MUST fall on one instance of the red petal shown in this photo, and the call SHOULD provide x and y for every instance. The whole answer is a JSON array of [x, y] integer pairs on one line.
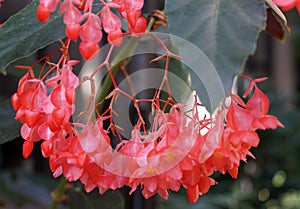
[[110, 21], [27, 148], [50, 4], [175, 173], [43, 14], [140, 26], [72, 14], [45, 132], [90, 31], [15, 101], [25, 131], [132, 17], [239, 137], [58, 116], [285, 3], [58, 97], [212, 139], [88, 50], [46, 148], [150, 184], [268, 121], [70, 95], [68, 78], [238, 118], [32, 118], [72, 31], [258, 104], [72, 173], [192, 193], [115, 38], [234, 171], [205, 184]]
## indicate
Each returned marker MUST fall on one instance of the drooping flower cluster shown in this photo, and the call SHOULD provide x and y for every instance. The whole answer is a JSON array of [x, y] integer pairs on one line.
[[81, 20], [288, 4], [238, 134], [45, 114], [172, 154]]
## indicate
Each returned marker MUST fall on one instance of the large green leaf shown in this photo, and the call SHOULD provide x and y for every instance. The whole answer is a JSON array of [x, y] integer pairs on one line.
[[225, 30], [22, 34], [9, 128]]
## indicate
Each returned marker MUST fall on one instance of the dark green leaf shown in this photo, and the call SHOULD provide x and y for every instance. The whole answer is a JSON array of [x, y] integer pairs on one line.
[[9, 127], [17, 188], [226, 31], [25, 61], [109, 200], [22, 34]]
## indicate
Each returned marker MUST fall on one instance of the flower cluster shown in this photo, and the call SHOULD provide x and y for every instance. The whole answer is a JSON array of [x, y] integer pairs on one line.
[[45, 114], [175, 151], [288, 4], [235, 130], [81, 20], [172, 154]]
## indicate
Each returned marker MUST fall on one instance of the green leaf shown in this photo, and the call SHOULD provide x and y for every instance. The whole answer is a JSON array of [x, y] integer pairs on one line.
[[16, 187], [22, 34], [109, 200], [225, 30], [24, 61], [9, 127]]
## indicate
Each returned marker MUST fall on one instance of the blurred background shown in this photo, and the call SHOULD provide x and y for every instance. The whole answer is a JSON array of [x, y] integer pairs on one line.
[[272, 181]]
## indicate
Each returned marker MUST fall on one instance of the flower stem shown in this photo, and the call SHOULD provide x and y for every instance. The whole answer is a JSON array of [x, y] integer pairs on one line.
[[116, 64], [107, 80], [58, 193], [150, 24]]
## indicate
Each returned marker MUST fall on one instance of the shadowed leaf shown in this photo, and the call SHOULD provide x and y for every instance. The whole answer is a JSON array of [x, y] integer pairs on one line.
[[226, 31], [22, 34], [9, 127]]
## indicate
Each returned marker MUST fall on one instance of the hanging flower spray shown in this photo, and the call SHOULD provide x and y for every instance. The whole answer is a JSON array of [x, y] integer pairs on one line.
[[181, 148]]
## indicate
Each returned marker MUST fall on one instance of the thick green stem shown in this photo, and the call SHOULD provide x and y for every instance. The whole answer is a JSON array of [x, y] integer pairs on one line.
[[150, 24]]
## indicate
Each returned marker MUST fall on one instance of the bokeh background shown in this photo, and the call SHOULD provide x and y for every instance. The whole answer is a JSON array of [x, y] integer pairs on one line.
[[272, 181]]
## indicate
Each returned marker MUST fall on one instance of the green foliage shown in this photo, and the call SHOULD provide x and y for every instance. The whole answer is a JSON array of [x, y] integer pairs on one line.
[[22, 34], [78, 199], [9, 128], [226, 31], [17, 188]]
